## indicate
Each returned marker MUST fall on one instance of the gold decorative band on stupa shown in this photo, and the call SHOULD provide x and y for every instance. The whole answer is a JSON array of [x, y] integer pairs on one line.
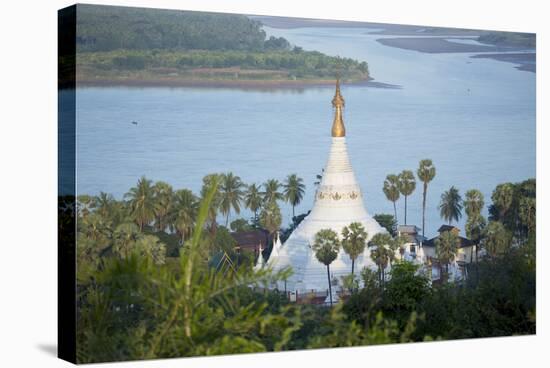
[[338, 129]]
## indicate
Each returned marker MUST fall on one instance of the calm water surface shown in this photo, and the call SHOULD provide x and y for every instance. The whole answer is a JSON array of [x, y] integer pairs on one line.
[[475, 118]]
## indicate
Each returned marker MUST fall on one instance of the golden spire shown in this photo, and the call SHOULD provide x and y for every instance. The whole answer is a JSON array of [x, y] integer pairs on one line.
[[338, 129]]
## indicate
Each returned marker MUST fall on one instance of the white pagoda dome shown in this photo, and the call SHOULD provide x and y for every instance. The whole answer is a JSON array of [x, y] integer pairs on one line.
[[338, 202]]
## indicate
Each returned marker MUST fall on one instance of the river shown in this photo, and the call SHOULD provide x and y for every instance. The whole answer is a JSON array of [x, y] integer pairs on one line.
[[475, 118]]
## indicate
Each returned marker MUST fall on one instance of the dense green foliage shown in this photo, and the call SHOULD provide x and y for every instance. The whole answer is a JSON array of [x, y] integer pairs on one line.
[[387, 221], [514, 205], [216, 64], [116, 43], [107, 28], [153, 293]]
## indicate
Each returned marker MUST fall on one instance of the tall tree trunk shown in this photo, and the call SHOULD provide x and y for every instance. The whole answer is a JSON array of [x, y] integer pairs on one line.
[[352, 266], [293, 212], [424, 207], [329, 286], [405, 211], [395, 211], [227, 219]]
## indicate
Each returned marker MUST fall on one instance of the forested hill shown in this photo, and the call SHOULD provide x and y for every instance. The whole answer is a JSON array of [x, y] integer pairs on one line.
[[122, 45], [107, 28]]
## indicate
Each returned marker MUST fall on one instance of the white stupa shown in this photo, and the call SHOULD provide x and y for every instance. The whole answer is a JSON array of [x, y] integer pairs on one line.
[[338, 202]]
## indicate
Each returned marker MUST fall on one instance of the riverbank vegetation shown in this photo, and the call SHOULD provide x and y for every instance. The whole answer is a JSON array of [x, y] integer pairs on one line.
[[158, 276], [117, 45]]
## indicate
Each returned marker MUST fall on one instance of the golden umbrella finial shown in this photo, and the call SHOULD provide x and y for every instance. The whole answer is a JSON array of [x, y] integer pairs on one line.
[[338, 129]]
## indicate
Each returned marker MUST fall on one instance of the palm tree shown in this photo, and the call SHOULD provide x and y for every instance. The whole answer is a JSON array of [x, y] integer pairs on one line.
[[231, 195], [497, 240], [528, 213], [354, 240], [125, 236], [391, 190], [446, 245], [103, 204], [502, 198], [184, 213], [94, 227], [294, 190], [142, 202], [426, 173], [326, 247], [271, 191], [382, 253], [163, 203], [407, 185], [450, 207], [150, 246], [474, 202], [270, 217], [475, 225], [253, 199], [208, 182]]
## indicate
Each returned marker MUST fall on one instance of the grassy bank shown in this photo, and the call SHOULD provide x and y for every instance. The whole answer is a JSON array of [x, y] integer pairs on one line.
[[206, 67]]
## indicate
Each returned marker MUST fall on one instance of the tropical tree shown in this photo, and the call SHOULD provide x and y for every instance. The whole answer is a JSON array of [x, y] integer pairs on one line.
[[184, 213], [150, 246], [270, 217], [176, 301], [474, 203], [326, 246], [475, 225], [354, 240], [95, 227], [163, 198], [240, 224], [103, 204], [231, 195], [407, 185], [382, 253], [502, 198], [391, 190], [497, 240], [387, 221], [271, 191], [125, 237], [528, 213], [425, 173], [207, 184], [294, 189], [446, 246], [450, 207], [142, 202], [253, 199]]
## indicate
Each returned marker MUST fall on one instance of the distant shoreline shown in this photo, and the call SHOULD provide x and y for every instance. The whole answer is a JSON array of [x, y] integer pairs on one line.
[[526, 60], [385, 28], [240, 84], [434, 45]]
